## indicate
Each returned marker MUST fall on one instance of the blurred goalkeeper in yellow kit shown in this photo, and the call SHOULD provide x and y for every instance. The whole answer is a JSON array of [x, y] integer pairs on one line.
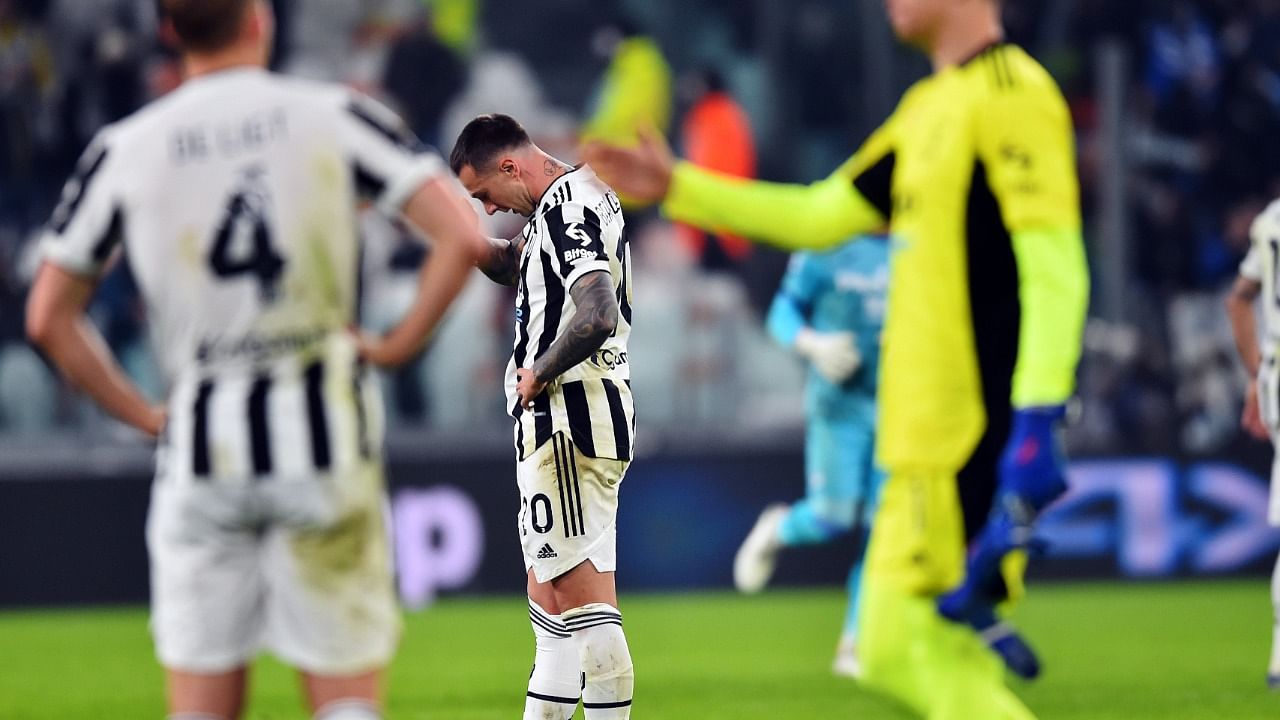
[[975, 174]]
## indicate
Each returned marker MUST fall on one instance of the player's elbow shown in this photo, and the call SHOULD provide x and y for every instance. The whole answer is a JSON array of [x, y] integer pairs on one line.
[[604, 321], [1236, 301], [608, 325]]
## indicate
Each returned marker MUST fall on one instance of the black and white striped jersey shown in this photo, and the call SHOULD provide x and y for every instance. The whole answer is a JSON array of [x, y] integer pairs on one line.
[[236, 198], [576, 228]]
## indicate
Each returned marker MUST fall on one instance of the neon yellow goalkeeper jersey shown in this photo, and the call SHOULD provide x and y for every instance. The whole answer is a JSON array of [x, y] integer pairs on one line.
[[975, 174]]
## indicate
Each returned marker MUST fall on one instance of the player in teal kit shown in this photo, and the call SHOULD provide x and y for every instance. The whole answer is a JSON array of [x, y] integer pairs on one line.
[[830, 309]]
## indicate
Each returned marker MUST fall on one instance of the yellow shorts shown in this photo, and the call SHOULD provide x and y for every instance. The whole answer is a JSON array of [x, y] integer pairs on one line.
[[918, 538]]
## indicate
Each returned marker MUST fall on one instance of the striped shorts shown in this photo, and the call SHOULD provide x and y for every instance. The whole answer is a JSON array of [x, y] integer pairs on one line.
[[568, 509]]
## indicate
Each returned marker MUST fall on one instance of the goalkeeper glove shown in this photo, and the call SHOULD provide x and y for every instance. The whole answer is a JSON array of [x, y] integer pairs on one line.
[[833, 355], [1032, 474]]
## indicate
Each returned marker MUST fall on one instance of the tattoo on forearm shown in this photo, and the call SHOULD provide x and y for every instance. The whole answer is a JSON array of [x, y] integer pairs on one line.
[[592, 323], [502, 264]]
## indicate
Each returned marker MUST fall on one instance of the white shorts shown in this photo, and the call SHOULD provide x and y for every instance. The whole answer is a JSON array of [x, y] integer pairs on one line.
[[300, 567], [568, 509], [1269, 408]]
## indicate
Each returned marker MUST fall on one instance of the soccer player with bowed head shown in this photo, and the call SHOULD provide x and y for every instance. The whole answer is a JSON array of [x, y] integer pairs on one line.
[[1261, 418], [236, 199], [569, 393], [974, 173]]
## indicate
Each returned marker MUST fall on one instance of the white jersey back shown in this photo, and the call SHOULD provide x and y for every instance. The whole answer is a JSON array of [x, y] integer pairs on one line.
[[1262, 265], [235, 198], [576, 228]]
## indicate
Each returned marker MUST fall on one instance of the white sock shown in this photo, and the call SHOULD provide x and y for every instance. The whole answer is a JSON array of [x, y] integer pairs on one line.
[[349, 709], [609, 678], [556, 680], [1274, 667]]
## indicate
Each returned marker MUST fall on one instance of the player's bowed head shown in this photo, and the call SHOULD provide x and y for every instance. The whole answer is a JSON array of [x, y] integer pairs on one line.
[[501, 167]]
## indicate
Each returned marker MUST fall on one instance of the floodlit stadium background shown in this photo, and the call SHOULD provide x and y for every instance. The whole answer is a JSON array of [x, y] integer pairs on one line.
[[1177, 107]]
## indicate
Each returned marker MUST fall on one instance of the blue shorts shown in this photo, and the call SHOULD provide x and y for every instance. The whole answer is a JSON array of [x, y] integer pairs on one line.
[[842, 483]]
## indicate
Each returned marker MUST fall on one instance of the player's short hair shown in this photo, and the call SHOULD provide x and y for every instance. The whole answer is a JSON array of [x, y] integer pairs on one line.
[[206, 25], [483, 139]]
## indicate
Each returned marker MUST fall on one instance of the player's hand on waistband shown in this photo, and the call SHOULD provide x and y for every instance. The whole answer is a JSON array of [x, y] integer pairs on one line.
[[1251, 418], [834, 355], [154, 424], [528, 387], [382, 351]]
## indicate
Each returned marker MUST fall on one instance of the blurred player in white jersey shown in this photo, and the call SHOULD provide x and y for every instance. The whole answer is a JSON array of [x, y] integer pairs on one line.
[[235, 198], [1261, 357]]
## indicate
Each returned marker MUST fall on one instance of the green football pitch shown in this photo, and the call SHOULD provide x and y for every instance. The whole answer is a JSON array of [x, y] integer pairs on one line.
[[1168, 650]]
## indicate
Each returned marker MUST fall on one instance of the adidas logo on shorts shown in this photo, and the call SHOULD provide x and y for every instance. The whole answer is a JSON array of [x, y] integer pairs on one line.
[[547, 552]]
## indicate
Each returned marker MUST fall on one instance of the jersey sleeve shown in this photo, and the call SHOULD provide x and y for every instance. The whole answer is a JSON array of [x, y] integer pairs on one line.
[[793, 304], [574, 236], [1262, 231], [854, 199], [389, 162], [1026, 147], [88, 223], [1251, 266]]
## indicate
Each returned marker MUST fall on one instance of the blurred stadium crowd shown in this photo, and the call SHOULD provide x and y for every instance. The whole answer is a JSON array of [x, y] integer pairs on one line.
[[782, 90]]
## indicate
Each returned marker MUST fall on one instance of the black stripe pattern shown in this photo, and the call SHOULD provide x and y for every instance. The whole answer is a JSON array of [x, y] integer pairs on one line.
[[317, 421], [553, 698], [554, 306], [618, 416], [606, 705], [259, 434], [111, 237], [549, 624], [579, 412], [523, 310], [78, 186], [570, 487], [595, 618], [369, 185], [200, 466], [388, 126]]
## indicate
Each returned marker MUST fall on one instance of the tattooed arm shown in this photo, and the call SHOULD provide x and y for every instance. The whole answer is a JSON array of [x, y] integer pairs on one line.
[[594, 320], [501, 261]]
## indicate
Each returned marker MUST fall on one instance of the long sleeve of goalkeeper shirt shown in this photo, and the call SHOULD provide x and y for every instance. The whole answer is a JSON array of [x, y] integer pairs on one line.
[[852, 200], [1025, 141]]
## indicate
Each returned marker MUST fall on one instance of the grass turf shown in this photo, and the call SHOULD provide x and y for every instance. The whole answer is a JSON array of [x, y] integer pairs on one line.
[[1180, 650]]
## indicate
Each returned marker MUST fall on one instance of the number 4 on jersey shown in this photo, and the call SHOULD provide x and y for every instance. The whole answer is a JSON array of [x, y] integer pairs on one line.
[[242, 244]]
